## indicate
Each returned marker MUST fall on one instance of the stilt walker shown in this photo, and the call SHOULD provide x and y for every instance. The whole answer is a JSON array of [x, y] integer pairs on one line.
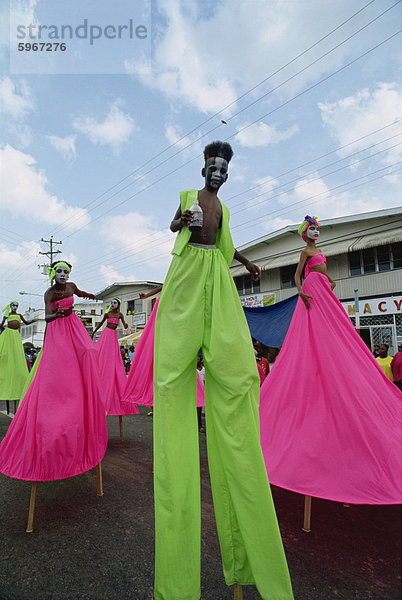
[[60, 427], [330, 418], [13, 366], [112, 372], [200, 308]]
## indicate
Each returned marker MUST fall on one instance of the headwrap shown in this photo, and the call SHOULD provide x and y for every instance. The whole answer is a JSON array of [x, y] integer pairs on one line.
[[306, 223], [6, 309], [109, 308], [52, 270]]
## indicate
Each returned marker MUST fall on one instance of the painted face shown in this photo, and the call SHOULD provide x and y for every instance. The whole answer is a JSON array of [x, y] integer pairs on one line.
[[14, 306], [61, 274], [114, 304], [313, 232], [216, 172]]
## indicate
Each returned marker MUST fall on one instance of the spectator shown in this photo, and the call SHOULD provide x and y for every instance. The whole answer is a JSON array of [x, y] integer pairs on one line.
[[131, 353], [126, 360], [259, 367], [396, 366], [385, 361], [375, 351]]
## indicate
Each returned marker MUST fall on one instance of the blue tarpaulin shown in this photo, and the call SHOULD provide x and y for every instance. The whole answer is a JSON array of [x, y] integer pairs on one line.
[[269, 324]]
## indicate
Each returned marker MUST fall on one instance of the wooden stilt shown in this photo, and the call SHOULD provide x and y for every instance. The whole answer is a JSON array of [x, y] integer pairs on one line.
[[99, 483], [121, 427], [31, 511], [307, 514], [238, 592], [8, 406], [15, 406]]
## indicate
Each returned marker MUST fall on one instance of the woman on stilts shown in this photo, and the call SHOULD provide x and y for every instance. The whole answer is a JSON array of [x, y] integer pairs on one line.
[[330, 418], [13, 366], [112, 373], [60, 428]]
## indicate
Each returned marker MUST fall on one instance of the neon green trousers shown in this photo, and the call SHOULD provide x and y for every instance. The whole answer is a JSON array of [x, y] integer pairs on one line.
[[200, 307]]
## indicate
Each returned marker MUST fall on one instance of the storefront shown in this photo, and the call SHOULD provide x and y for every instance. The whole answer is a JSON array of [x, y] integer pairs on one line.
[[380, 321]]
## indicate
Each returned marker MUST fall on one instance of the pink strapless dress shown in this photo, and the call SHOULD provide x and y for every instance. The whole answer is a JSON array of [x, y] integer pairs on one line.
[[330, 418], [113, 374], [140, 380], [60, 427]]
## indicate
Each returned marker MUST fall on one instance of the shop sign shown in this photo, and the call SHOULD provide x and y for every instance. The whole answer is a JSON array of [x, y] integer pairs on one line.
[[257, 300], [375, 306], [137, 319]]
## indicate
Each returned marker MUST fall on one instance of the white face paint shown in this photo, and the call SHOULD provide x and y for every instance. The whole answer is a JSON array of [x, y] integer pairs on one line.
[[115, 304], [313, 232], [216, 172], [14, 306], [61, 274]]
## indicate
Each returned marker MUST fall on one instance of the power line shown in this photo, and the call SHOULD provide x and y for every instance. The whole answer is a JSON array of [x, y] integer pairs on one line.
[[137, 247], [72, 219], [283, 210]]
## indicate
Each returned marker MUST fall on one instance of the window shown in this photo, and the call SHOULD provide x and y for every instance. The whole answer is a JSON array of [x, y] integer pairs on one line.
[[134, 306], [246, 286], [93, 312], [82, 311], [375, 260], [396, 250], [288, 276]]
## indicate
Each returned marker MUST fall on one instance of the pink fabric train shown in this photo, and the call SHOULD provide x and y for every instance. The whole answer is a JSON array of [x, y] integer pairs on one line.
[[113, 375], [140, 381], [330, 418], [60, 427]]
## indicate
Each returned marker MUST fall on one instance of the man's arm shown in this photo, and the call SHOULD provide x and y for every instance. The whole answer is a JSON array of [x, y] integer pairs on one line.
[[251, 267], [181, 220]]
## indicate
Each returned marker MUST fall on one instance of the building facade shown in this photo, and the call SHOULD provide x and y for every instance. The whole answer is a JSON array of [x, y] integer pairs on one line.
[[364, 257]]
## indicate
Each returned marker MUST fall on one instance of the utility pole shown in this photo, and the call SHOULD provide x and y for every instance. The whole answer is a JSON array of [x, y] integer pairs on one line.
[[50, 254]]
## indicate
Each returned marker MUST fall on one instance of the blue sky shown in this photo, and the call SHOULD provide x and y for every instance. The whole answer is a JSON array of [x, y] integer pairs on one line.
[[66, 140]]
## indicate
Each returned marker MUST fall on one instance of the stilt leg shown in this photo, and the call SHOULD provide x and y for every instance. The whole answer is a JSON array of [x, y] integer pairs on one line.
[[8, 406], [307, 514], [31, 511], [99, 483], [121, 427], [238, 592], [15, 406]]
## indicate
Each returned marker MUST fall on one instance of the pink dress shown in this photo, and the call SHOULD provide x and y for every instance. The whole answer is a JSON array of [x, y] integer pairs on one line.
[[330, 418], [140, 381], [60, 427], [112, 373]]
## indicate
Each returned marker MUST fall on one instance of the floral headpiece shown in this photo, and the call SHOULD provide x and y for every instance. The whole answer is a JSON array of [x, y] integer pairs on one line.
[[306, 223]]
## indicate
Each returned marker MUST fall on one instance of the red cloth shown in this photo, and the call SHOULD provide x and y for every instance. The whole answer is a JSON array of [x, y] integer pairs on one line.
[[265, 366]]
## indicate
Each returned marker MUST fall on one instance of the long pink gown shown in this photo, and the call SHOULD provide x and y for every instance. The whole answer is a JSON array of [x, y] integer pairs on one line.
[[140, 380], [112, 373], [330, 418], [60, 427]]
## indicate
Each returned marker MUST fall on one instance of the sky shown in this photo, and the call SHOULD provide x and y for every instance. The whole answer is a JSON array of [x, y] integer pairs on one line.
[[97, 141]]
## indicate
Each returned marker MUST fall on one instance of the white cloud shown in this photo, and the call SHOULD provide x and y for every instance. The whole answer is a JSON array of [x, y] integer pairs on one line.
[[141, 242], [113, 131], [66, 146], [16, 99], [261, 134], [207, 57], [353, 117], [24, 193], [110, 275]]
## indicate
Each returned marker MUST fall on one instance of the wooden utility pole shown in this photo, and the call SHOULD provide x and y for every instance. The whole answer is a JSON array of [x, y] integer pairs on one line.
[[50, 254]]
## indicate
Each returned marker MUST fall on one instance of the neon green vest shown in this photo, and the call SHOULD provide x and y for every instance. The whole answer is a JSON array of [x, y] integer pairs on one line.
[[223, 237]]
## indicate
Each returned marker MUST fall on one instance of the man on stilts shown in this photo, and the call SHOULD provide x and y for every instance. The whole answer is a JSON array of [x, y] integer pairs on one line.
[[200, 307]]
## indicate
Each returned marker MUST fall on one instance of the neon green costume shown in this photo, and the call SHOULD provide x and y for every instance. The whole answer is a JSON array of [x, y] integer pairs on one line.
[[13, 366], [200, 307]]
